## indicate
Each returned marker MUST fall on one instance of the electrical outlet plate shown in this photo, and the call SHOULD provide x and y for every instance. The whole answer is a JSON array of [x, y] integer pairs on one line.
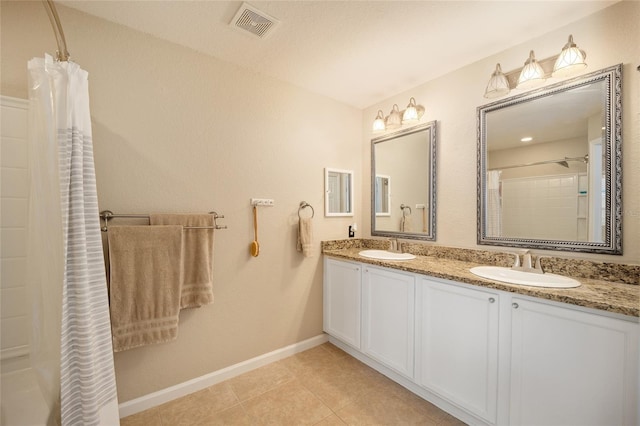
[[264, 202]]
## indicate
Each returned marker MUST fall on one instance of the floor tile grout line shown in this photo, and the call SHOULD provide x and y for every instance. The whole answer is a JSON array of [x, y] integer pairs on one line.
[[262, 393], [300, 370]]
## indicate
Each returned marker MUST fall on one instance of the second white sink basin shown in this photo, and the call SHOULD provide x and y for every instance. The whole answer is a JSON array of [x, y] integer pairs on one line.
[[511, 276], [386, 255]]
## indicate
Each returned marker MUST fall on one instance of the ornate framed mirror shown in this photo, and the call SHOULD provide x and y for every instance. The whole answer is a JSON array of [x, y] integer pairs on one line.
[[549, 167], [408, 159]]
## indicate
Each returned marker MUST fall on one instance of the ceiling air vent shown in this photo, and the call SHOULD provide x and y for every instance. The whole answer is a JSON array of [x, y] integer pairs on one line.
[[254, 21]]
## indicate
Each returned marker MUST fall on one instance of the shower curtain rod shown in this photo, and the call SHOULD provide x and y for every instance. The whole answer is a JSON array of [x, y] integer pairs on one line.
[[562, 162], [62, 54]]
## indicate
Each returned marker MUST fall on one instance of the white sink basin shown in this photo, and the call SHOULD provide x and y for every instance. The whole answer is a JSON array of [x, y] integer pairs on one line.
[[511, 276], [386, 255]]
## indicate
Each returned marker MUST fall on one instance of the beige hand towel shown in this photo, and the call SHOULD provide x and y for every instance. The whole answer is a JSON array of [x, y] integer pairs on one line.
[[145, 279], [405, 224], [305, 237], [197, 255]]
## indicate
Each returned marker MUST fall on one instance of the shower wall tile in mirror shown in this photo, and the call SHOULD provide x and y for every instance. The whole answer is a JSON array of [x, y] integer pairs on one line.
[[528, 203]]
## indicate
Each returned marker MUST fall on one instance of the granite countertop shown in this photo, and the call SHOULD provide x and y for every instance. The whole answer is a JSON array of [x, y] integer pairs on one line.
[[617, 297]]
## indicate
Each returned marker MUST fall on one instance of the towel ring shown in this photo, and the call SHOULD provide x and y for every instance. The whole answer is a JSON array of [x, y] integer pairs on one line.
[[304, 204], [403, 207]]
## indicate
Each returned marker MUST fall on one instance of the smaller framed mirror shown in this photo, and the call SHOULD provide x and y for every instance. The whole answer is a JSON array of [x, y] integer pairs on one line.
[[383, 195], [409, 157], [338, 192]]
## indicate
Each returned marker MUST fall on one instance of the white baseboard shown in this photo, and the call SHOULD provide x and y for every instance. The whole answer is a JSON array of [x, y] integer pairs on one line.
[[177, 391]]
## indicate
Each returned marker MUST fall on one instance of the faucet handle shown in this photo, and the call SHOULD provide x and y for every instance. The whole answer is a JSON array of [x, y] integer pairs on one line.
[[538, 264], [516, 262]]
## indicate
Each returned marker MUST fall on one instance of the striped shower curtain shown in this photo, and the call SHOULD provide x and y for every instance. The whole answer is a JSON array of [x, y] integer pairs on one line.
[[65, 250]]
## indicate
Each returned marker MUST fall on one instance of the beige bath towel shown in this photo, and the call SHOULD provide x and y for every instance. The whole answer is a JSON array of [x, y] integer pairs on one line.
[[305, 237], [197, 256], [145, 279]]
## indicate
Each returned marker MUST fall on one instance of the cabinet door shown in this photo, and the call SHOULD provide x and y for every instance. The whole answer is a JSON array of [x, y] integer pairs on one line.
[[388, 300], [457, 345], [342, 291], [572, 367]]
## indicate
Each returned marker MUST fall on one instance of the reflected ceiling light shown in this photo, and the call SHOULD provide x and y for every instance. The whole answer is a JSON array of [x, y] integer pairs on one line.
[[413, 112], [498, 84], [532, 73], [570, 60], [526, 139], [394, 119], [378, 123]]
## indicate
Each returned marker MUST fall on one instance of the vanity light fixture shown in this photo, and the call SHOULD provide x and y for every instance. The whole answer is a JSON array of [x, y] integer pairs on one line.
[[570, 60], [378, 123], [394, 119], [410, 114], [498, 84], [534, 72], [397, 118]]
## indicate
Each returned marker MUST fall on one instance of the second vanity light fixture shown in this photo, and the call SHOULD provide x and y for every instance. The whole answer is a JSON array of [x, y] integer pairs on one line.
[[570, 60], [397, 118]]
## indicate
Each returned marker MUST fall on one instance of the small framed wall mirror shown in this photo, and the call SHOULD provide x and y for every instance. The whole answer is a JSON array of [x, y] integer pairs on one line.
[[338, 192], [549, 167]]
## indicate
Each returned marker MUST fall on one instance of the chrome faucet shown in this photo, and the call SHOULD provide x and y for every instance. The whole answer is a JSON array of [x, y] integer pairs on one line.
[[396, 246], [527, 264]]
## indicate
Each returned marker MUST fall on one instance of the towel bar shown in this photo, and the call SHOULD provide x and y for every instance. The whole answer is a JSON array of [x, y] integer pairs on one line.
[[106, 215], [404, 208]]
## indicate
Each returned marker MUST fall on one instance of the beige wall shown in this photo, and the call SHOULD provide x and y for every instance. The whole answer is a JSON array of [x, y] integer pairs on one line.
[[177, 131], [609, 37]]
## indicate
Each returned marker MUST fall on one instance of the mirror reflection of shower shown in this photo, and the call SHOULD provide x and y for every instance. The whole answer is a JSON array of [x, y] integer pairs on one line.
[[567, 194], [383, 195]]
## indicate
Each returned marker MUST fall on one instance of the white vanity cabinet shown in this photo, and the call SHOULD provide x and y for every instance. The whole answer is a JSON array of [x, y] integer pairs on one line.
[[571, 367], [342, 298], [488, 357], [457, 345], [387, 318]]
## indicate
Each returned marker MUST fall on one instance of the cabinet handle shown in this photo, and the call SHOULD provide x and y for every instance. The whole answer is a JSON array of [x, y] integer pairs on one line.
[[515, 305], [492, 300]]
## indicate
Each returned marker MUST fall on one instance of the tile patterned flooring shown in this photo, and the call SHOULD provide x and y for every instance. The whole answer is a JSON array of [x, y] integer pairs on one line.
[[321, 386]]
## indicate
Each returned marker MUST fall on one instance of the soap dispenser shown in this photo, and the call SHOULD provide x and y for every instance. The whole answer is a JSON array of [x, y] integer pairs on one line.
[[352, 230]]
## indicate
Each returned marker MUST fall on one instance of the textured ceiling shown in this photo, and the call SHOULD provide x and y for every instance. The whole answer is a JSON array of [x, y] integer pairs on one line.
[[357, 52]]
